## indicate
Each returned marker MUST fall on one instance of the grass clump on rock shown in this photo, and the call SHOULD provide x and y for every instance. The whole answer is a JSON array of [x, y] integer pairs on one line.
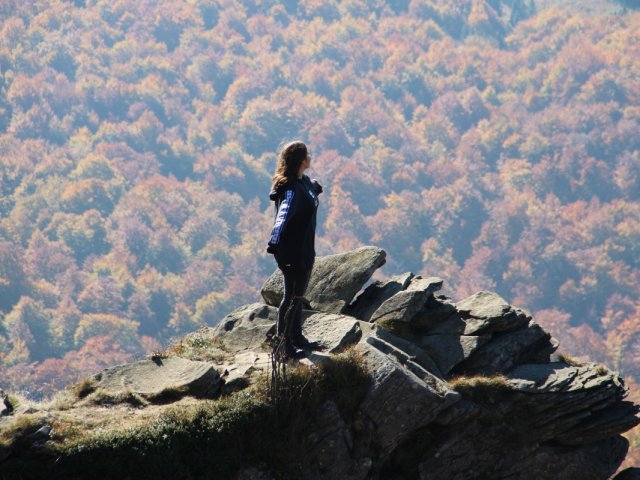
[[84, 388], [106, 398], [401, 329], [482, 388], [210, 438], [199, 347], [569, 360]]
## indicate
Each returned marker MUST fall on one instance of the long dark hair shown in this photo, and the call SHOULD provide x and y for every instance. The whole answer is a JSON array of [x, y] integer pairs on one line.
[[291, 157]]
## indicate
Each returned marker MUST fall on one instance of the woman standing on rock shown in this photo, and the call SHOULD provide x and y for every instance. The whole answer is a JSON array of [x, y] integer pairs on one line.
[[292, 240]]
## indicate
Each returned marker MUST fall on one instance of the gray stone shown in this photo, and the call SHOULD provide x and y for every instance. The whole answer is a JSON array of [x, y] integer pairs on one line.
[[404, 305], [434, 312], [334, 281], [376, 294], [333, 332], [494, 451], [575, 405], [330, 443], [560, 377], [447, 321], [449, 350], [41, 435], [487, 312], [484, 305], [428, 285], [503, 352], [399, 401], [558, 422], [236, 374], [594, 461], [150, 378], [405, 360], [245, 329], [483, 312], [409, 350]]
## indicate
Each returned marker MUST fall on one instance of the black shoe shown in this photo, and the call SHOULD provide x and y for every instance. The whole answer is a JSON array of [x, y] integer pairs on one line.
[[289, 351], [306, 344], [293, 353]]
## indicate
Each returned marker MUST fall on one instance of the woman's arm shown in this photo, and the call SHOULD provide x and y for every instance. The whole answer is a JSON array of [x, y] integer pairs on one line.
[[286, 211]]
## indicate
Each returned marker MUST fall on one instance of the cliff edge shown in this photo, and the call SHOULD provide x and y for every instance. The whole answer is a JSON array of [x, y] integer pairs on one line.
[[410, 385]]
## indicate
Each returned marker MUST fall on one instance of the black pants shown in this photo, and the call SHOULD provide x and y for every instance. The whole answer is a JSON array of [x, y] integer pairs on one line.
[[295, 284]]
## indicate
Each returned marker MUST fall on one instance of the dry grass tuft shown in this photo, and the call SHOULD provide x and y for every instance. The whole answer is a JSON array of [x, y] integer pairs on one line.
[[198, 347], [105, 398], [18, 431], [84, 388], [482, 388], [168, 395], [62, 400], [569, 360]]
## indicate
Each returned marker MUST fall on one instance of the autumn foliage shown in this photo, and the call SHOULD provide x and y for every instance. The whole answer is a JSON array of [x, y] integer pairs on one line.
[[494, 143]]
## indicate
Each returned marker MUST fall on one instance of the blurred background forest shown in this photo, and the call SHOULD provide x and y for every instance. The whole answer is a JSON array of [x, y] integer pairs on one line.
[[494, 143]]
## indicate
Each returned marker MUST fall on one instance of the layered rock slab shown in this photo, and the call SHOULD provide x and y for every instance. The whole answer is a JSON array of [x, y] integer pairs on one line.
[[399, 401], [481, 313], [560, 422], [376, 294], [404, 305], [154, 377], [245, 328], [574, 405], [333, 332], [405, 351], [503, 352], [500, 458]]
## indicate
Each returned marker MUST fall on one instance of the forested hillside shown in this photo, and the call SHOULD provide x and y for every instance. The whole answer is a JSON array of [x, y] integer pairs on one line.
[[493, 143]]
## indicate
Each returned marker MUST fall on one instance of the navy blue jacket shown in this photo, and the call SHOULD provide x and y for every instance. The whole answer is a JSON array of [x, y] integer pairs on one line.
[[293, 235]]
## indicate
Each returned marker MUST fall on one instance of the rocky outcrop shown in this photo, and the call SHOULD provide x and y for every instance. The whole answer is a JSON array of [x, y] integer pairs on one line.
[[535, 419], [458, 390]]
